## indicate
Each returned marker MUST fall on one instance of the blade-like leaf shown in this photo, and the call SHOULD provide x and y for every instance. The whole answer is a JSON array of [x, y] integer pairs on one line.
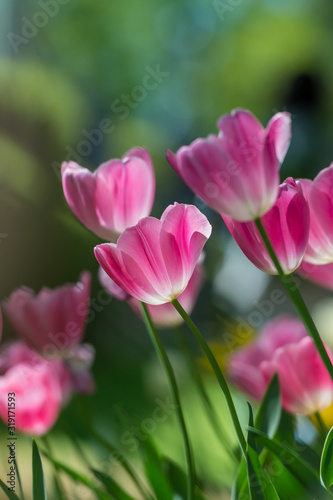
[[155, 474], [240, 488], [101, 495], [111, 486], [267, 419], [307, 476], [326, 462], [10, 494], [254, 473], [38, 484], [269, 413]]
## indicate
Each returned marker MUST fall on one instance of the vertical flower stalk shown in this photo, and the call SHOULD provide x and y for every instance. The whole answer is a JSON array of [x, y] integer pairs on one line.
[[219, 375], [176, 399], [290, 285], [154, 261]]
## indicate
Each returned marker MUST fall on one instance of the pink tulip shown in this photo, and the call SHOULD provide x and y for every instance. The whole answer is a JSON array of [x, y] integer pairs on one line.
[[110, 286], [53, 320], [237, 172], [319, 194], [164, 315], [306, 386], [154, 260], [245, 364], [287, 226], [18, 353], [115, 196], [320, 274], [38, 397]]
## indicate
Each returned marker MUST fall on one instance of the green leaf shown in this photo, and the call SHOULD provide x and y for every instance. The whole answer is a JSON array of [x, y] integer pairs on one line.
[[268, 420], [155, 473], [240, 488], [101, 495], [38, 481], [269, 413], [326, 462], [111, 486], [178, 480], [10, 494], [307, 476], [254, 474]]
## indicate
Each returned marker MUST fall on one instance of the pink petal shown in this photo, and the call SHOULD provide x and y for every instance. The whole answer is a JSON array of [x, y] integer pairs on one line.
[[115, 196]]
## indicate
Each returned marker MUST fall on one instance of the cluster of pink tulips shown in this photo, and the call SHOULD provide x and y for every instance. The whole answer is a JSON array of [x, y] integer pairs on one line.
[[156, 265], [48, 363]]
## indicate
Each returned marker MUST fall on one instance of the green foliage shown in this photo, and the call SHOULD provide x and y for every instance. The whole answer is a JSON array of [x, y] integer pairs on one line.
[[10, 494], [38, 485], [326, 463]]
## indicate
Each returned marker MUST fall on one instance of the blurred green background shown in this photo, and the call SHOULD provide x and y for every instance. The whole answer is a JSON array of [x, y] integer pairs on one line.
[[71, 67]]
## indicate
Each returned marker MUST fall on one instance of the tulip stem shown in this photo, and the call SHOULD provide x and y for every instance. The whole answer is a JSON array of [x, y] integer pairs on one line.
[[175, 396], [204, 396], [219, 375], [290, 285]]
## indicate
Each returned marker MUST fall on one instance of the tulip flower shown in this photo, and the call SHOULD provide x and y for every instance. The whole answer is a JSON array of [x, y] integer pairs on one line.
[[115, 196], [163, 315], [319, 194], [237, 172], [17, 353], [284, 348], [306, 386], [287, 226], [320, 274], [154, 260], [110, 286], [41, 387], [244, 364], [38, 397], [53, 320]]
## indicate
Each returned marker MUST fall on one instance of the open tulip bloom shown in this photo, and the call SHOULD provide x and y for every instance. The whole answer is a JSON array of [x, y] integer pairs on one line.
[[155, 266], [287, 226], [237, 172], [163, 315], [284, 348], [115, 196], [154, 260]]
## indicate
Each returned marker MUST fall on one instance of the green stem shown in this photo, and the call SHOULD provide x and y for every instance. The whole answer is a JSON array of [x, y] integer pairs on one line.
[[218, 373], [290, 285], [176, 399], [201, 390]]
